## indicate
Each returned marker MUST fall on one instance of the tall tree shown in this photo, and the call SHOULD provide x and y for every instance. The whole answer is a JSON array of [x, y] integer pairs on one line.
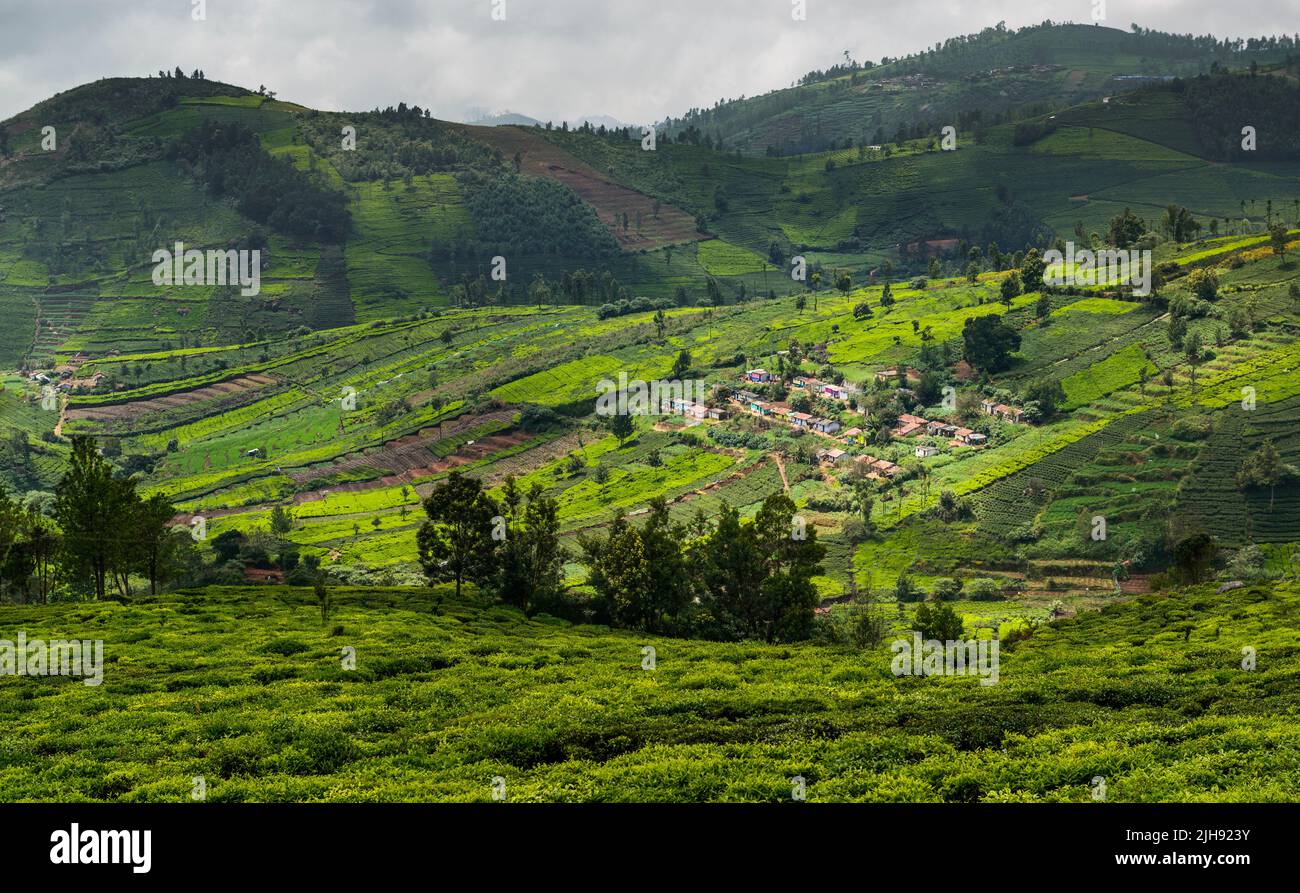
[[151, 529], [1180, 224], [456, 542], [42, 542], [792, 557], [621, 426], [989, 342], [619, 572], [15, 558], [1278, 238], [1265, 468], [530, 568], [669, 589], [730, 569], [1192, 350], [91, 507], [11, 522], [863, 501]]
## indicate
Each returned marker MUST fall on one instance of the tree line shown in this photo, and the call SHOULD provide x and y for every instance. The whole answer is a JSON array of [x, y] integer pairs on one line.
[[728, 579], [532, 216], [95, 535], [229, 159]]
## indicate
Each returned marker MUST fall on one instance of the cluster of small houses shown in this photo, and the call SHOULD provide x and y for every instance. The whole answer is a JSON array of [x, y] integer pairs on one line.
[[694, 410], [764, 409], [64, 377], [908, 425]]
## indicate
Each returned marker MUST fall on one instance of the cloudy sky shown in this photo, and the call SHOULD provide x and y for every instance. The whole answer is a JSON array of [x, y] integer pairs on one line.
[[636, 60]]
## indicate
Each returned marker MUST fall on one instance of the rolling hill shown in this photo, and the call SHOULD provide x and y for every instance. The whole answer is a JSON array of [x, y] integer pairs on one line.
[[1068, 464], [971, 81]]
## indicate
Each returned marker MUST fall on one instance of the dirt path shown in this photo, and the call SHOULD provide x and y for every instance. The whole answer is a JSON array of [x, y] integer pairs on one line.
[[780, 466]]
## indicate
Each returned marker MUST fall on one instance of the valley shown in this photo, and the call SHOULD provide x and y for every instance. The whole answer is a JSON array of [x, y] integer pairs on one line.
[[891, 415]]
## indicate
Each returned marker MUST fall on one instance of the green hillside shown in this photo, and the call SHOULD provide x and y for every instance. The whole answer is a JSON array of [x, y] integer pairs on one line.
[[971, 82], [932, 428], [244, 687], [589, 218]]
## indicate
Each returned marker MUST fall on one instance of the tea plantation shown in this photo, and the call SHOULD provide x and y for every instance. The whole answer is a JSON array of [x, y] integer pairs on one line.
[[245, 687]]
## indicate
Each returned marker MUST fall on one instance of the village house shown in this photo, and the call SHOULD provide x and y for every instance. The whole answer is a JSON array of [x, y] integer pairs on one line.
[[759, 408], [926, 450], [885, 467], [854, 437], [689, 408], [825, 426], [801, 419], [908, 425], [891, 374], [758, 375], [877, 468], [941, 429], [969, 437], [835, 392], [715, 412], [1002, 411], [832, 455]]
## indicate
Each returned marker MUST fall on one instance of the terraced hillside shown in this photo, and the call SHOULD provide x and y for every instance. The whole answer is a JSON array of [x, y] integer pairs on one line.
[[974, 79], [896, 409], [430, 211], [657, 224], [350, 428]]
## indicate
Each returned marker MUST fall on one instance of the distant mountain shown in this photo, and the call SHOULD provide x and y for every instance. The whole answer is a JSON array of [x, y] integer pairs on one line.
[[410, 215], [969, 82], [502, 119]]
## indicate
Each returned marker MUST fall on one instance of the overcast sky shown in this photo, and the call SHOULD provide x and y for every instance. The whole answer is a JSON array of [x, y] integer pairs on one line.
[[636, 60]]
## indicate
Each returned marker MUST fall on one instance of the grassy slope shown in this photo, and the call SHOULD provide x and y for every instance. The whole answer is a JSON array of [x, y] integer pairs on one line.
[[245, 688], [1134, 151], [556, 356], [1059, 65]]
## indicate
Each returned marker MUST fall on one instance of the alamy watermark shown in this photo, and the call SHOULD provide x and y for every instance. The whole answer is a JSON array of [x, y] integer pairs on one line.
[[211, 267], [1107, 266], [92, 847], [954, 657], [57, 657]]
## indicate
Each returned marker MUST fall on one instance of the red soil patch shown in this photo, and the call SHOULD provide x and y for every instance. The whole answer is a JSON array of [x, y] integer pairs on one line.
[[1137, 584], [610, 199], [135, 409], [411, 456]]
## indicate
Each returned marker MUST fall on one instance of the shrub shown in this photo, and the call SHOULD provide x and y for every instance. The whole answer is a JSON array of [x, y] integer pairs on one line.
[[938, 621], [984, 590], [905, 590], [945, 589], [285, 647]]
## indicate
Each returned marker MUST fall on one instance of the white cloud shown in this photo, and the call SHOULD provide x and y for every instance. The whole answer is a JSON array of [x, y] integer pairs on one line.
[[637, 60]]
